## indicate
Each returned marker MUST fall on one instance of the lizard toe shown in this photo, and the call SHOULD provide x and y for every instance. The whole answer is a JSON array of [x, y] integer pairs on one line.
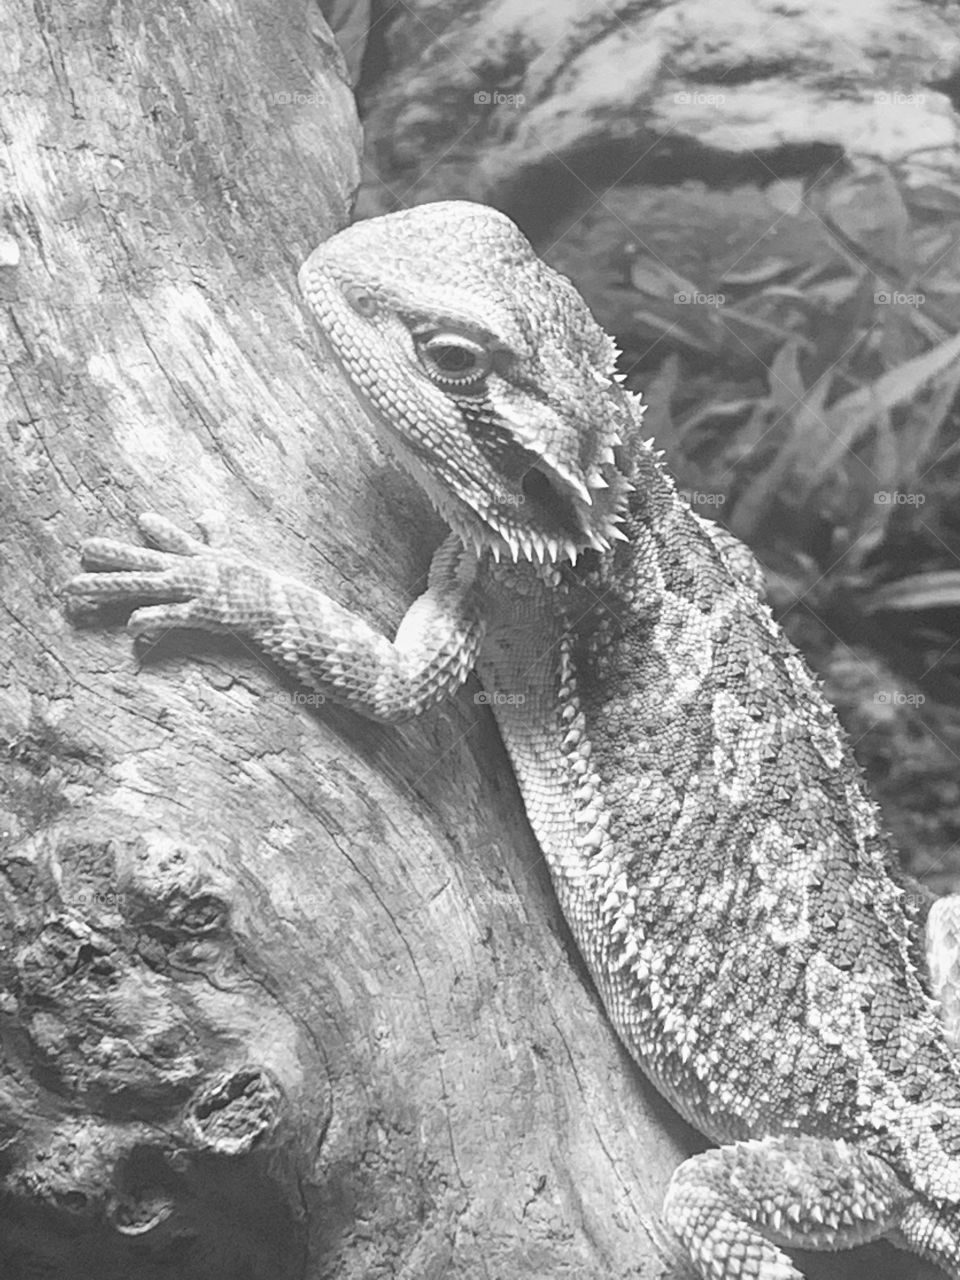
[[168, 537], [107, 553], [153, 620], [104, 588]]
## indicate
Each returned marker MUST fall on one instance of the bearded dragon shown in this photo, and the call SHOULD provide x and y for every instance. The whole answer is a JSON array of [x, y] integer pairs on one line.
[[706, 829]]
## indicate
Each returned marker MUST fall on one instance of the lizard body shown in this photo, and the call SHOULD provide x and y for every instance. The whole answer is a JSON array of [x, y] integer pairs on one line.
[[706, 829]]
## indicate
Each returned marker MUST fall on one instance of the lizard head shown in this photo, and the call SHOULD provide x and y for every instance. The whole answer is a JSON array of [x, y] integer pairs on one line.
[[485, 374]]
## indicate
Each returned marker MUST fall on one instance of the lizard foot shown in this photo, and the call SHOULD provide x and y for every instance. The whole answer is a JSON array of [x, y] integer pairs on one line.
[[736, 1208], [195, 583]]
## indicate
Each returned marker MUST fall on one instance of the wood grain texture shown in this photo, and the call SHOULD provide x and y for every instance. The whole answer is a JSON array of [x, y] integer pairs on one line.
[[287, 995]]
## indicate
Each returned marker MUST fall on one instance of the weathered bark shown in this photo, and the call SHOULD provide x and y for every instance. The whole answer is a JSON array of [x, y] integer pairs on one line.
[[287, 995]]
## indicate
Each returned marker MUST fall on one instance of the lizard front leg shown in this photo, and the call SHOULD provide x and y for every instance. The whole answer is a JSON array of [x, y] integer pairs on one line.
[[195, 585]]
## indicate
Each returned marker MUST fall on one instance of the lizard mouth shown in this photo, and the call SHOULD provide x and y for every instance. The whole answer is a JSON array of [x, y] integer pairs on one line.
[[516, 508], [548, 521], [533, 518]]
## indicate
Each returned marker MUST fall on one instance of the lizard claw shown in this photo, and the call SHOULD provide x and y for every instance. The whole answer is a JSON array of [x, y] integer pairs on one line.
[[213, 525]]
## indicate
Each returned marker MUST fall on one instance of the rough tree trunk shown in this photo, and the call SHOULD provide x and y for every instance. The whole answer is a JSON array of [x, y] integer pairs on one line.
[[287, 995]]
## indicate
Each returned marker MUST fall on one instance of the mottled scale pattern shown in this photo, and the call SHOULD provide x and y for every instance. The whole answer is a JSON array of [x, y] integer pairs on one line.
[[706, 828], [763, 892]]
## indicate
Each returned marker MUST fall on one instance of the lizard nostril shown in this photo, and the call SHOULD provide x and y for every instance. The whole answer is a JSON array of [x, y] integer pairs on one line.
[[361, 300]]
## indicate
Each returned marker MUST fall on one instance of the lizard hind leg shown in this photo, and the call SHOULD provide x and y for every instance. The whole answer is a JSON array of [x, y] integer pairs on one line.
[[736, 1208]]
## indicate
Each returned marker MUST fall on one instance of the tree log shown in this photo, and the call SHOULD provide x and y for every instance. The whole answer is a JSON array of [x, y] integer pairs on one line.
[[286, 994]]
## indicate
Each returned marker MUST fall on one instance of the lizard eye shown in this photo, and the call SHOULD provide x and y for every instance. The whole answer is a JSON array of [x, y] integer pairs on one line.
[[453, 360]]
